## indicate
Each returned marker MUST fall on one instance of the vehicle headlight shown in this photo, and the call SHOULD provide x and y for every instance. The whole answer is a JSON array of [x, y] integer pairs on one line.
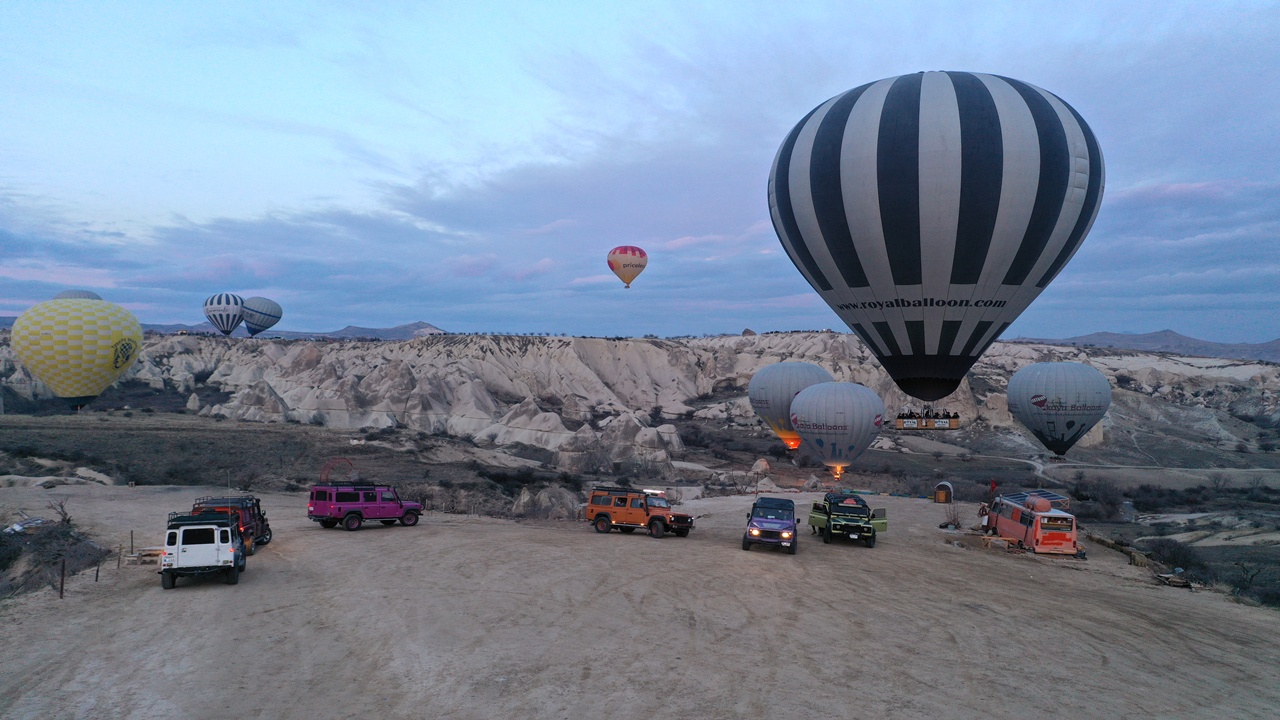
[[786, 536], [754, 531]]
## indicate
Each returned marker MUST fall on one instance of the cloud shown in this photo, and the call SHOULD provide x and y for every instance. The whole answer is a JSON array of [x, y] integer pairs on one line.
[[542, 267]]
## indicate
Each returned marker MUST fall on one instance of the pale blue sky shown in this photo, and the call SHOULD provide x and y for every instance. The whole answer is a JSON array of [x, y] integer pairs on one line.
[[469, 164]]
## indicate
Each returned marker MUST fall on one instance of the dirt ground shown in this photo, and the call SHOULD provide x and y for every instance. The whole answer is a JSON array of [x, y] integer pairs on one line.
[[469, 617]]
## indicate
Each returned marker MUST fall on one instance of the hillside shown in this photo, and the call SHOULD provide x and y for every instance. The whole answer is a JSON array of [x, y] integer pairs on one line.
[[585, 404], [1168, 341]]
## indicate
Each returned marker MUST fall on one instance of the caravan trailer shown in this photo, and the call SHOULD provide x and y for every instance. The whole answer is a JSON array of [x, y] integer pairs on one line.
[[1037, 521]]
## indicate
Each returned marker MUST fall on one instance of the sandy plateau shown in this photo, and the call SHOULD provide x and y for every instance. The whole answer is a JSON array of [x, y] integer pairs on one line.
[[471, 617]]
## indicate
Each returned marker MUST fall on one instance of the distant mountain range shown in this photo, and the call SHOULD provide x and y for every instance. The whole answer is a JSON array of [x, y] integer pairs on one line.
[[1164, 341], [399, 332], [1168, 341]]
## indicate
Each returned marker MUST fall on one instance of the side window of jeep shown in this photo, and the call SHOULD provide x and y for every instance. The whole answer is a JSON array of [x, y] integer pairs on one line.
[[224, 537], [620, 502], [637, 503], [371, 497], [346, 497], [389, 496], [321, 495], [171, 539], [601, 500]]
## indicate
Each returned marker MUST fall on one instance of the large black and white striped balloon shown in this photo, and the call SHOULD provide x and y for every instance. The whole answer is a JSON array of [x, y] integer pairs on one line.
[[929, 210]]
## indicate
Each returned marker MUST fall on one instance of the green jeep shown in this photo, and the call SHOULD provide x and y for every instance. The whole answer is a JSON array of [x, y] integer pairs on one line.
[[846, 514]]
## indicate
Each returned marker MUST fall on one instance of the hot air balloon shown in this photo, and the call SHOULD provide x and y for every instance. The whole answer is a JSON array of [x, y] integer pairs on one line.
[[1059, 402], [837, 422], [224, 311], [627, 261], [77, 295], [259, 314], [771, 390], [929, 210], [76, 346]]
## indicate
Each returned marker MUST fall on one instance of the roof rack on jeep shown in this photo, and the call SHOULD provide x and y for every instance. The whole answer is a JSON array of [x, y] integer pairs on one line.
[[223, 499], [612, 490], [186, 518]]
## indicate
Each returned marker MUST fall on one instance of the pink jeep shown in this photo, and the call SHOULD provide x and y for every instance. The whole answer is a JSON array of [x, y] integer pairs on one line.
[[351, 505]]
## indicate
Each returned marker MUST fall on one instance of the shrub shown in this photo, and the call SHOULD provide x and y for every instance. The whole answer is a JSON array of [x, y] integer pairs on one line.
[[1177, 554]]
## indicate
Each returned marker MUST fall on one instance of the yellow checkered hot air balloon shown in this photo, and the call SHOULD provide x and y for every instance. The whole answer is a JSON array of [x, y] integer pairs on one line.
[[77, 346]]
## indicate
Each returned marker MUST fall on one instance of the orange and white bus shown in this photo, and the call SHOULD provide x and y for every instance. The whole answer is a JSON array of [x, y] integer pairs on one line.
[[1036, 521]]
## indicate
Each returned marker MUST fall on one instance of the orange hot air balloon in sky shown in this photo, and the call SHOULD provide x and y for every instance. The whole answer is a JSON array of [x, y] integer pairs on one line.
[[627, 261]]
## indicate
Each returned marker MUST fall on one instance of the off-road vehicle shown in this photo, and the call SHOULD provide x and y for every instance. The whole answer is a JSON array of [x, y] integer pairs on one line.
[[247, 512], [846, 514], [351, 505], [203, 544], [772, 522], [629, 510]]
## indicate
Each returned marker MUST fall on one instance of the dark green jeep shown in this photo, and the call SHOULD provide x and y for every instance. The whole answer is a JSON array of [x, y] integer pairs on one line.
[[846, 514]]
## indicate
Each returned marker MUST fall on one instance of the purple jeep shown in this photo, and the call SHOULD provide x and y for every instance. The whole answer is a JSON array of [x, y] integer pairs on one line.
[[772, 522], [351, 505]]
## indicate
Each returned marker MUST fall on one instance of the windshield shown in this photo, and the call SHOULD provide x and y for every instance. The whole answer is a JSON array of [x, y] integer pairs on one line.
[[769, 513], [658, 502]]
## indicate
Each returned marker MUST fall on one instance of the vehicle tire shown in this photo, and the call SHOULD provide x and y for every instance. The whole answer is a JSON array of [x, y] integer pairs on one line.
[[168, 580], [352, 522], [792, 550], [266, 537], [626, 531], [746, 544], [602, 524], [327, 524], [251, 547], [409, 519], [387, 522], [682, 532], [233, 575], [826, 534], [870, 541], [657, 529]]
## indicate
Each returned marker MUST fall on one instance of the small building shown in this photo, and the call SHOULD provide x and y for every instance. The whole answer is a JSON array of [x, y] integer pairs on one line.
[[943, 492]]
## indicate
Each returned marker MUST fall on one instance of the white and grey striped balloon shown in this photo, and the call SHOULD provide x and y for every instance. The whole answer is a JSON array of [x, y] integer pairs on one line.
[[1059, 401], [260, 314], [224, 311], [837, 422], [929, 210]]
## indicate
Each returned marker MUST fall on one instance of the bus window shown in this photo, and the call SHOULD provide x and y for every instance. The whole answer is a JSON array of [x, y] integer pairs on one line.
[[1054, 523]]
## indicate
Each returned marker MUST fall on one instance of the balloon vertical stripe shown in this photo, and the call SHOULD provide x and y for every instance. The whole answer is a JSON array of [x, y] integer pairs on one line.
[[981, 171], [1055, 171], [784, 218], [1093, 196], [898, 169], [828, 197]]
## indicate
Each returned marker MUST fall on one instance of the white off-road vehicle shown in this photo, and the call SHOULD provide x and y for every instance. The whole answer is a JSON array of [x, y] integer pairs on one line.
[[202, 544]]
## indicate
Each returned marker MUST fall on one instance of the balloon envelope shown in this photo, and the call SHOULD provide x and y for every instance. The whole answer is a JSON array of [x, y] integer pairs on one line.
[[259, 314], [77, 346], [929, 210], [771, 390], [224, 311], [837, 422], [1059, 402], [627, 261]]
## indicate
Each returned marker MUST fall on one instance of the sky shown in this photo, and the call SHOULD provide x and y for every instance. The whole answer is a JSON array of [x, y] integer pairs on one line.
[[470, 164]]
